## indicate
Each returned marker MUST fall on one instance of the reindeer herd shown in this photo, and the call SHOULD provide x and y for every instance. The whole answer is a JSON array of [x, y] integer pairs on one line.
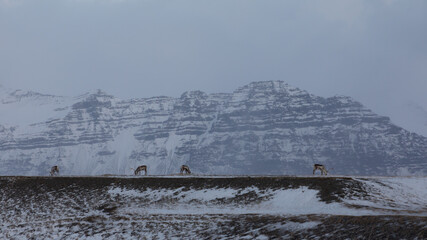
[[183, 170], [54, 171]]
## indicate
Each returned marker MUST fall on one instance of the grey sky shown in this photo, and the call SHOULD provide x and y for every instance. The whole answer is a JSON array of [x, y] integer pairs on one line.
[[374, 51]]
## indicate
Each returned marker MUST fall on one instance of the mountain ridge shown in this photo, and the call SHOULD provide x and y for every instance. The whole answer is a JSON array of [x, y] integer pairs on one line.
[[266, 127]]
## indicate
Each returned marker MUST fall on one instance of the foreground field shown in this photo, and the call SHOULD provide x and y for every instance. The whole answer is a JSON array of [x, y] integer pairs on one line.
[[212, 207]]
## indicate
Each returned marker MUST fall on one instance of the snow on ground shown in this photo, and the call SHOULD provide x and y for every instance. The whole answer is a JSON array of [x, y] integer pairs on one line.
[[211, 207], [394, 193], [386, 195], [219, 201]]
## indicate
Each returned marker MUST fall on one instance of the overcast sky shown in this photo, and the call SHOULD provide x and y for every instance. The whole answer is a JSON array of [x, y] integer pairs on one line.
[[373, 51]]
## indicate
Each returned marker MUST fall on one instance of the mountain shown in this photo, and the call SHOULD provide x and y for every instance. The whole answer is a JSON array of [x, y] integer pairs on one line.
[[261, 128]]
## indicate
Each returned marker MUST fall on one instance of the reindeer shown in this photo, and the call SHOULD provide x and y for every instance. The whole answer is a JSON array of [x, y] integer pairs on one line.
[[185, 169], [141, 168], [54, 171], [321, 168]]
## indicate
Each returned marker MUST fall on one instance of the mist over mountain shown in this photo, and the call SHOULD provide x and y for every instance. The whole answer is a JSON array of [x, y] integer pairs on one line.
[[414, 116], [261, 128]]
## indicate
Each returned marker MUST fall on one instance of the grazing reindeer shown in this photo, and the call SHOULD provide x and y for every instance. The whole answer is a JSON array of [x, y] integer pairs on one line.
[[141, 168], [54, 171], [321, 168], [185, 169]]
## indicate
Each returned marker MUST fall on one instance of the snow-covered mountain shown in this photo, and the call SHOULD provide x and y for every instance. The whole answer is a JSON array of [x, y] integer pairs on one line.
[[261, 128]]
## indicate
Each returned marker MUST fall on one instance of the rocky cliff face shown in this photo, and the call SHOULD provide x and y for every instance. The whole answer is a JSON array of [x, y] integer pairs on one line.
[[261, 128]]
